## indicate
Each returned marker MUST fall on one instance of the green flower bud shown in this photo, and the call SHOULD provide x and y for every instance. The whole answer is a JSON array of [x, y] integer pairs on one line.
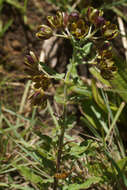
[[45, 32]]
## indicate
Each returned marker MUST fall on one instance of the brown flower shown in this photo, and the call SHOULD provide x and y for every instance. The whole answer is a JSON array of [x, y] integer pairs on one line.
[[38, 98], [41, 81], [109, 31], [79, 28]]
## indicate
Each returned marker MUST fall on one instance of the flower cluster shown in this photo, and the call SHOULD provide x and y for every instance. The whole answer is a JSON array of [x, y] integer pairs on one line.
[[78, 25], [104, 61], [40, 81], [90, 27]]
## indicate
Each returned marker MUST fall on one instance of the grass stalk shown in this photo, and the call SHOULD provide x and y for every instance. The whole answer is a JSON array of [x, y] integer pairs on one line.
[[23, 100], [117, 135], [115, 120]]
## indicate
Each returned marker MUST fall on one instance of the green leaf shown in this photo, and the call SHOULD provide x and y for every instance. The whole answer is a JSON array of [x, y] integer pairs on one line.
[[97, 75], [86, 48], [80, 90], [46, 140], [77, 150], [29, 174], [97, 97], [3, 185], [122, 163], [116, 166], [59, 98], [90, 126], [16, 4], [81, 52], [50, 71], [47, 159], [5, 28], [19, 187], [95, 116], [87, 184], [45, 154]]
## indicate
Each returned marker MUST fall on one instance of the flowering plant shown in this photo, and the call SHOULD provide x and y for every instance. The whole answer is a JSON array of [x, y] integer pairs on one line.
[[84, 33]]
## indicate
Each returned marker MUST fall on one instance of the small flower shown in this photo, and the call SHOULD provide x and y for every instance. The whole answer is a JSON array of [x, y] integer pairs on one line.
[[108, 73], [109, 31], [41, 81], [45, 32], [31, 61], [106, 66], [56, 21], [79, 28], [105, 54], [38, 98], [95, 16]]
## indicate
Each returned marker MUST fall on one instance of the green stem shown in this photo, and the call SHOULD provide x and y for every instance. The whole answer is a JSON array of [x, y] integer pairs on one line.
[[63, 125]]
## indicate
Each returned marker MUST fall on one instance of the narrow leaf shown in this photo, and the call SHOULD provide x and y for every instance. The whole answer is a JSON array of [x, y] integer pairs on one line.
[[87, 184], [97, 97]]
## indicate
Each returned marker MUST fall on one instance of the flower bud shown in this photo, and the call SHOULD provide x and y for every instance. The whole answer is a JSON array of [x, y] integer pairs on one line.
[[74, 16], [45, 32], [99, 21], [56, 21], [34, 57], [95, 16], [31, 58]]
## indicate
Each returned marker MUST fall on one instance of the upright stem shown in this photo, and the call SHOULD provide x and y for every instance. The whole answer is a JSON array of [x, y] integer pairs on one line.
[[63, 127]]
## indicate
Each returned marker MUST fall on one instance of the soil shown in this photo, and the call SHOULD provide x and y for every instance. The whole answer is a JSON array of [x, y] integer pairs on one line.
[[20, 37]]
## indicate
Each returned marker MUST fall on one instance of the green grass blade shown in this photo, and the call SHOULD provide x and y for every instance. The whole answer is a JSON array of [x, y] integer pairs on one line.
[[115, 119]]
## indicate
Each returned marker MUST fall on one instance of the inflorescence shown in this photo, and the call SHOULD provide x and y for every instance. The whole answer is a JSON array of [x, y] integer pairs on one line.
[[92, 26]]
